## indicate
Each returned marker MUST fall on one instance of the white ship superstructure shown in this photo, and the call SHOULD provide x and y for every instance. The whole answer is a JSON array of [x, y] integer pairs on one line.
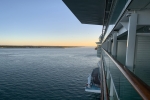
[[123, 47]]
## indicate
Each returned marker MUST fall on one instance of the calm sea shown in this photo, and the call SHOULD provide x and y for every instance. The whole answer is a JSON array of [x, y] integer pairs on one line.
[[46, 74]]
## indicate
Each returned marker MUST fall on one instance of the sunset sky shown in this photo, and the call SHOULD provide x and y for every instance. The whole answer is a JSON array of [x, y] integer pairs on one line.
[[43, 22]]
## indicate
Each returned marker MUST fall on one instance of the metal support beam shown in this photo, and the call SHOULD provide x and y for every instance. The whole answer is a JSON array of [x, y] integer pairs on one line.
[[109, 44], [131, 41], [125, 25], [114, 45], [111, 88], [108, 76]]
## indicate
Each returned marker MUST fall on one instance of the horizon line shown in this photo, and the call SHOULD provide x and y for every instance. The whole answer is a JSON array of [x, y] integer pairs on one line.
[[43, 46]]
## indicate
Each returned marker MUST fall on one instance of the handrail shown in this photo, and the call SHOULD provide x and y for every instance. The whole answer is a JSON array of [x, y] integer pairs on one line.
[[105, 94], [102, 88], [141, 87]]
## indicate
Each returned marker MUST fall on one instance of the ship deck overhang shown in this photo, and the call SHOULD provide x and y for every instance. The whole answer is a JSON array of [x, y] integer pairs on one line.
[[87, 11]]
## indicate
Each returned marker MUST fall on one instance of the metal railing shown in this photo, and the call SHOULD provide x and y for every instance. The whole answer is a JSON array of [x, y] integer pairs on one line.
[[104, 88], [142, 88]]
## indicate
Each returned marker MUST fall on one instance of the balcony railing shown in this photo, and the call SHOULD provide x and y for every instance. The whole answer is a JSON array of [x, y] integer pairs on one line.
[[142, 89], [104, 89]]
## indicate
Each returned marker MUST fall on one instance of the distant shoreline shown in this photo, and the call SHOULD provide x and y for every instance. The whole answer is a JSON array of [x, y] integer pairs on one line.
[[6, 46]]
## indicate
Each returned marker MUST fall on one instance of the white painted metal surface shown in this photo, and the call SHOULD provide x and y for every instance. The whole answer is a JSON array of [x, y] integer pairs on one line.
[[89, 81], [130, 52], [114, 45], [109, 44], [94, 91]]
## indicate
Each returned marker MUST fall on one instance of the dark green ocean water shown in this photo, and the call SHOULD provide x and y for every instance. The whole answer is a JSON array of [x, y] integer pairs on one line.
[[46, 74]]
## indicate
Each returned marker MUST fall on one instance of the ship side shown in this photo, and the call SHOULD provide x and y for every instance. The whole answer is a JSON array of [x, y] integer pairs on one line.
[[123, 47]]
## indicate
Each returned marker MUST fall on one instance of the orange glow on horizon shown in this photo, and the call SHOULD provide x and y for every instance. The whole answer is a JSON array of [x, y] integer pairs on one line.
[[50, 43]]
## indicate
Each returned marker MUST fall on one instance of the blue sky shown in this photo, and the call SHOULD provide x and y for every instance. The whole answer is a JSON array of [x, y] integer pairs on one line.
[[43, 22]]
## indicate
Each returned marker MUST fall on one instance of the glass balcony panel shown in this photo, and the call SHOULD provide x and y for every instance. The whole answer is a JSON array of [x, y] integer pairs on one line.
[[123, 88]]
